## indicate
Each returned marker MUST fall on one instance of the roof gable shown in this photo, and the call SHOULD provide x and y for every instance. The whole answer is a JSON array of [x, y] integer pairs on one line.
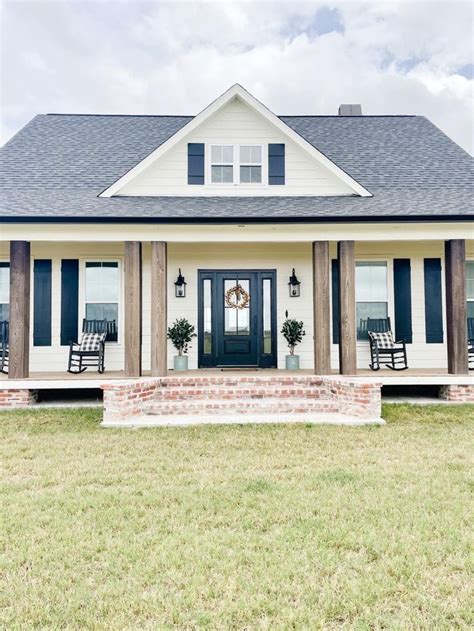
[[237, 92]]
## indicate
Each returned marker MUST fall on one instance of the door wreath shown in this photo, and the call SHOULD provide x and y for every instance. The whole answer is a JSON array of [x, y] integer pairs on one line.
[[237, 298]]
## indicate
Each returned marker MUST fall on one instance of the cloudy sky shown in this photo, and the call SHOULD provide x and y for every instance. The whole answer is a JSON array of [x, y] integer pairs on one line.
[[298, 58]]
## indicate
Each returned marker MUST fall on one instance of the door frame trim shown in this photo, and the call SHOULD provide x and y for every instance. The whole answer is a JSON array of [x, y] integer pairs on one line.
[[210, 361]]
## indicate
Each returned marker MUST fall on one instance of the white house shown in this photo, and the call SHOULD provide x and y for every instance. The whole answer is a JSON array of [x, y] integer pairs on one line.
[[101, 214]]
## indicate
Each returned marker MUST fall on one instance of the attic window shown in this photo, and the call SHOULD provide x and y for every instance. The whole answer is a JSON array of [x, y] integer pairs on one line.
[[222, 164], [251, 164]]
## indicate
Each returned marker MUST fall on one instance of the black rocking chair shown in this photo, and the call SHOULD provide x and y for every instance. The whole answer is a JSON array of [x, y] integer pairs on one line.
[[383, 349], [4, 348], [90, 351], [470, 342]]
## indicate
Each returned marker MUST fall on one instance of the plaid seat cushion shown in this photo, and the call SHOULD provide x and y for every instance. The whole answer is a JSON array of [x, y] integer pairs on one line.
[[91, 341], [383, 340]]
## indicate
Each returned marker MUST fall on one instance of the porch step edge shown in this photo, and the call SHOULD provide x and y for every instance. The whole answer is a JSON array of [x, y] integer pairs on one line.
[[245, 406], [330, 418]]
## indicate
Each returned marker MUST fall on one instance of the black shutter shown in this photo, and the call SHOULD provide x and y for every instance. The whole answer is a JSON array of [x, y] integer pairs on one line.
[[276, 164], [42, 302], [195, 163], [335, 300], [402, 290], [69, 300], [433, 302]]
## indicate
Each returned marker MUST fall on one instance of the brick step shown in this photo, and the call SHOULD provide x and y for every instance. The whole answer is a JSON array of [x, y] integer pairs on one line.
[[243, 406], [242, 391], [241, 380], [316, 418]]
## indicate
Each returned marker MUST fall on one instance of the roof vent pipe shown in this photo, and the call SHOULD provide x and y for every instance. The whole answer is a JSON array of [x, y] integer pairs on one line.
[[350, 110]]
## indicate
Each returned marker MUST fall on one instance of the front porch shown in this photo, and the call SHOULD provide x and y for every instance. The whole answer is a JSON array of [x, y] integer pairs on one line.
[[419, 284]]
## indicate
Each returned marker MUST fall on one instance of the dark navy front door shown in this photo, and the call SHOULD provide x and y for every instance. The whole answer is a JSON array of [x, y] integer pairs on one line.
[[237, 318]]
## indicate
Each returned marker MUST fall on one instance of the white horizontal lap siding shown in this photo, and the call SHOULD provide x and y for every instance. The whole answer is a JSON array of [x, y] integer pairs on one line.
[[236, 124]]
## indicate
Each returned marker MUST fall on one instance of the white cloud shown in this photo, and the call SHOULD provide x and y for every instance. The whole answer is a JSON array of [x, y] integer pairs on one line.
[[175, 57]]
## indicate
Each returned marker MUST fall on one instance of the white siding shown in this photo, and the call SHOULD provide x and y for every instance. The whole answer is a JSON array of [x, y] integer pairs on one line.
[[236, 124], [282, 257]]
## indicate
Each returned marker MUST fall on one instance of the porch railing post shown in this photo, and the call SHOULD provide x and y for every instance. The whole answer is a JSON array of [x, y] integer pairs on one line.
[[347, 316], [456, 308], [321, 308], [159, 311], [133, 308], [19, 336]]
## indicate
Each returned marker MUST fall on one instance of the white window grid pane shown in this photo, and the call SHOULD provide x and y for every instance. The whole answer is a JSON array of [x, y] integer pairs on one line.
[[4, 285], [102, 284], [371, 281], [222, 154], [251, 155]]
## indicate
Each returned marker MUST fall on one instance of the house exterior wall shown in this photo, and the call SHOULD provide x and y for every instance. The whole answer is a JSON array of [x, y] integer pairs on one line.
[[236, 124], [279, 256]]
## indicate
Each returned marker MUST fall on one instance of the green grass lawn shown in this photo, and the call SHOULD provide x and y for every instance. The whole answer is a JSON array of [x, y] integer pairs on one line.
[[229, 527]]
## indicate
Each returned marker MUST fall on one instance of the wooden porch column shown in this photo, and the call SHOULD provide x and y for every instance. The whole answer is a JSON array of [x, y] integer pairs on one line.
[[133, 308], [159, 359], [321, 308], [456, 309], [19, 310], [347, 317]]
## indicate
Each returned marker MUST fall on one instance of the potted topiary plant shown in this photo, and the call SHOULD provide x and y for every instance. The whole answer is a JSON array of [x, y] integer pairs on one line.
[[293, 333], [181, 334]]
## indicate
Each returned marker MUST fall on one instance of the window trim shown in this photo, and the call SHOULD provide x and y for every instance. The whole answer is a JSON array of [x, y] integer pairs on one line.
[[236, 164], [82, 294]]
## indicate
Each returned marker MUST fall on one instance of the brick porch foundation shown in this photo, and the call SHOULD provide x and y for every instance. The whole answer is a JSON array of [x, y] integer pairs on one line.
[[17, 398], [457, 393]]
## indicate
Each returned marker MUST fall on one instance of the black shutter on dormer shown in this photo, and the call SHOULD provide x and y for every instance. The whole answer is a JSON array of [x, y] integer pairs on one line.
[[276, 164], [195, 163]]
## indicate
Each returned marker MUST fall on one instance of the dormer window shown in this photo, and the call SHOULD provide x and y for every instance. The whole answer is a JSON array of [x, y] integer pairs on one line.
[[251, 164], [222, 164], [236, 164]]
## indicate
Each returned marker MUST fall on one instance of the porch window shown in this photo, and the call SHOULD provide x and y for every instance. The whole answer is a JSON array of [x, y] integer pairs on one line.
[[371, 293], [102, 290], [470, 288], [222, 164], [4, 291], [250, 164]]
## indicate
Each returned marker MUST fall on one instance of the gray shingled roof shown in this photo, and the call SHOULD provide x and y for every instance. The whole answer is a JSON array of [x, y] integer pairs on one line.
[[58, 164]]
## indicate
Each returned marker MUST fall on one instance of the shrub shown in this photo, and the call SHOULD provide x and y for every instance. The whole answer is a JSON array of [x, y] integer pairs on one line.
[[181, 335], [293, 333]]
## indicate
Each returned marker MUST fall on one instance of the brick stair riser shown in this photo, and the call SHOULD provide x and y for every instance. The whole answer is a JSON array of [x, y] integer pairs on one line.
[[245, 382], [260, 406], [230, 393]]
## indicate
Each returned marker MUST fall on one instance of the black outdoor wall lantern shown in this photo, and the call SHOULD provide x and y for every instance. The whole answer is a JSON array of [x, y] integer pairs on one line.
[[180, 286], [294, 285]]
